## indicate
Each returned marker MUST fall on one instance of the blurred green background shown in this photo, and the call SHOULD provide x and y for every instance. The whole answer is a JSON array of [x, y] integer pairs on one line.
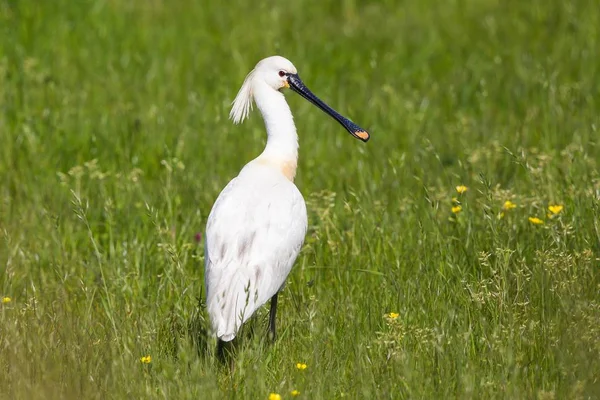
[[115, 141]]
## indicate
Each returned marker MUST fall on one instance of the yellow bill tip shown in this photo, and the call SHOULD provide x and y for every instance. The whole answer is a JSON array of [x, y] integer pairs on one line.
[[364, 135]]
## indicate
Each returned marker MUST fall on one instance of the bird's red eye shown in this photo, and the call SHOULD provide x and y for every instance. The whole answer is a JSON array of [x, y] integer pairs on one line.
[[282, 73]]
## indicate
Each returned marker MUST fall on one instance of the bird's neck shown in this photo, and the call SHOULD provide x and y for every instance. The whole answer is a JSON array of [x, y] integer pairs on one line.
[[281, 151], [282, 139]]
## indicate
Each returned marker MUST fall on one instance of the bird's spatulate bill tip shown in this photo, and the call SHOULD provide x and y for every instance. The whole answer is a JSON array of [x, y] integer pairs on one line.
[[363, 135]]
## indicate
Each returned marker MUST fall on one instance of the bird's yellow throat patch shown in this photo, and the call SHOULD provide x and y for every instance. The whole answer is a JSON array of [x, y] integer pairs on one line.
[[286, 167]]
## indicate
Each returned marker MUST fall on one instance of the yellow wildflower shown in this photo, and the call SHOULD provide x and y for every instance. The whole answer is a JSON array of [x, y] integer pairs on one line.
[[508, 205], [535, 220], [461, 189], [146, 359], [456, 209], [392, 315], [6, 299], [455, 200], [301, 366], [295, 392], [555, 209], [274, 396]]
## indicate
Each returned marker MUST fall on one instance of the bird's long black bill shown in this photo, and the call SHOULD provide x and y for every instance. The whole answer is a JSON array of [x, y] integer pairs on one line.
[[299, 87]]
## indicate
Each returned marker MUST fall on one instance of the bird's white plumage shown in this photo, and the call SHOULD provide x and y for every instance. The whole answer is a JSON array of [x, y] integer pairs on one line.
[[257, 224], [254, 233]]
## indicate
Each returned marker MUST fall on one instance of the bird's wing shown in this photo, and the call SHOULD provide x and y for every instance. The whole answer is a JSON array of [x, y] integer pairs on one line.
[[253, 236]]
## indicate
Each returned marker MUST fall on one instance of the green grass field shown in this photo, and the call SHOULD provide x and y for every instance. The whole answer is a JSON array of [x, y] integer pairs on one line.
[[115, 141]]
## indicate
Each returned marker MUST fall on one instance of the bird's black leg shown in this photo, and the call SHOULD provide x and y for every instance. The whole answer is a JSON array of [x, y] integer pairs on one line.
[[272, 314], [221, 350], [225, 353]]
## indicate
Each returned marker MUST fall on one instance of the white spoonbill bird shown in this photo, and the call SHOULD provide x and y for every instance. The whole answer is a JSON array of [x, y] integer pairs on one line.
[[257, 224]]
